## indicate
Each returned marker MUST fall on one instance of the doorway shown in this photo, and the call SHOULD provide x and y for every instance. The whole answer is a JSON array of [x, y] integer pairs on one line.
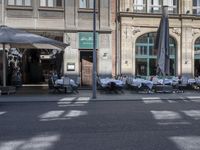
[[37, 66], [86, 64]]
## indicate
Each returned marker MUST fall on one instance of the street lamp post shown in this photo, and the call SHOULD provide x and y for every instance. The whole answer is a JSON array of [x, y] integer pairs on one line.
[[94, 52]]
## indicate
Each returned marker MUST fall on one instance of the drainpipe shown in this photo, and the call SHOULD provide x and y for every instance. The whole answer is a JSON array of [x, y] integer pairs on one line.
[[3, 12], [181, 45]]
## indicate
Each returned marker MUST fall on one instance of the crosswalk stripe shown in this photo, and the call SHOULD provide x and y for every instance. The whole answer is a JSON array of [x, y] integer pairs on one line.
[[2, 112], [149, 98], [172, 101], [193, 97]]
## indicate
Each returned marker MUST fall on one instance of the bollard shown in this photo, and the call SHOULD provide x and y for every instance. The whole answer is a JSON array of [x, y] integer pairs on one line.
[[0, 92]]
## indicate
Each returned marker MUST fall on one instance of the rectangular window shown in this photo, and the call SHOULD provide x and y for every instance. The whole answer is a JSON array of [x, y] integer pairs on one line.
[[82, 4], [196, 7], [51, 3], [42, 3], [19, 2], [11, 2], [91, 3], [172, 6], [87, 4], [59, 3], [139, 6], [27, 3], [155, 6]]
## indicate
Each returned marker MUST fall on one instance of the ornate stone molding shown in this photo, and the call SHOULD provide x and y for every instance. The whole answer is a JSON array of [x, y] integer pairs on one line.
[[195, 31], [67, 38], [177, 31], [131, 31], [135, 30]]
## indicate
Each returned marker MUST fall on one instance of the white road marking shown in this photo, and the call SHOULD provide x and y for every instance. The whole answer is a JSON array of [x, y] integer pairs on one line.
[[172, 101], [82, 100], [52, 114], [75, 113], [39, 142], [166, 115], [2, 112], [195, 114], [151, 101], [186, 142], [193, 97]]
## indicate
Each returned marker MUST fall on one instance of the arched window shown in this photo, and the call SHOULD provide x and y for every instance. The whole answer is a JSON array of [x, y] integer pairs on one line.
[[146, 55], [197, 57]]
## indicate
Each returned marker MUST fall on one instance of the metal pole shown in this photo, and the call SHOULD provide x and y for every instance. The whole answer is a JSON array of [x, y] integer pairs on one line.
[[94, 52], [4, 65]]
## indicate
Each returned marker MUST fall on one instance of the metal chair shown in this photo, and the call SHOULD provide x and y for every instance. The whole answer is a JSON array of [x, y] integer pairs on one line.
[[66, 84]]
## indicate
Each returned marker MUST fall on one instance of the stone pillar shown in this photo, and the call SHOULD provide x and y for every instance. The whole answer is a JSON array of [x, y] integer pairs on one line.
[[126, 49], [104, 54], [71, 54], [187, 51]]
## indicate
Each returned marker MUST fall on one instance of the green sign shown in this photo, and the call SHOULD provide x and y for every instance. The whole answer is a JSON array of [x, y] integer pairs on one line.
[[86, 40]]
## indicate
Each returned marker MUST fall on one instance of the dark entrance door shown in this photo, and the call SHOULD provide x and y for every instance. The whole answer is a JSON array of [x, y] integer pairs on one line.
[[86, 68]]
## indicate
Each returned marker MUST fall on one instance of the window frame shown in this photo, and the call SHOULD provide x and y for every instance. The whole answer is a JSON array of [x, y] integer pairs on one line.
[[148, 7], [151, 7], [23, 3], [143, 6], [54, 4], [195, 7], [87, 5]]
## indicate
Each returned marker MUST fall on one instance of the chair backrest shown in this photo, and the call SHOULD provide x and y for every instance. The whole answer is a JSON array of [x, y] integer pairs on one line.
[[78, 80], [124, 80], [130, 80], [184, 80], [66, 81]]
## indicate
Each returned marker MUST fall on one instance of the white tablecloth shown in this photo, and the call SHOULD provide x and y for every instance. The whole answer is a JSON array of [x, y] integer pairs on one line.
[[138, 83], [60, 82], [106, 81]]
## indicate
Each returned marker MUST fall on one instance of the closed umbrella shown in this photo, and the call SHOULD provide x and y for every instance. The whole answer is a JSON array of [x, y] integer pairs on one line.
[[162, 44], [14, 38]]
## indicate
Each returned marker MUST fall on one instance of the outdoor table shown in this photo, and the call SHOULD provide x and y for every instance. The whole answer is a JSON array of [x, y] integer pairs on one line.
[[60, 82], [111, 83], [72, 85], [138, 83]]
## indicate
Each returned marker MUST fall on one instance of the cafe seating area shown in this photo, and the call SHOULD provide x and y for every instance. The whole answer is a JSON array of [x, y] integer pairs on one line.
[[118, 84], [153, 84], [63, 84]]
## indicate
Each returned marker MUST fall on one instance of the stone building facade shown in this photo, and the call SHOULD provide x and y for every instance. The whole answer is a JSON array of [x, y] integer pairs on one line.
[[138, 21], [69, 21]]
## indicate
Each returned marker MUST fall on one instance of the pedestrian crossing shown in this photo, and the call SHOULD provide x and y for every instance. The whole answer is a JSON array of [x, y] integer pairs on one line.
[[73, 101], [82, 101], [161, 101], [169, 117], [55, 115], [43, 141]]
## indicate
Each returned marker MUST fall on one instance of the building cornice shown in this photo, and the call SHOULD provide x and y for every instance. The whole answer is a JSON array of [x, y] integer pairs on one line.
[[145, 15]]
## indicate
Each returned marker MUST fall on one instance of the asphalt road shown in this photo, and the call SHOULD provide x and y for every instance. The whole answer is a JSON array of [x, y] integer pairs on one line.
[[111, 125]]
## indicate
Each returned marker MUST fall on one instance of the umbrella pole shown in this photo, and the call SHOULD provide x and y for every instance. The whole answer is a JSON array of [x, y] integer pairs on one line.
[[4, 65]]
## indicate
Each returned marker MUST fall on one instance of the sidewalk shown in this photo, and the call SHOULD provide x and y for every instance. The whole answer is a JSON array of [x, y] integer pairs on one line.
[[42, 94]]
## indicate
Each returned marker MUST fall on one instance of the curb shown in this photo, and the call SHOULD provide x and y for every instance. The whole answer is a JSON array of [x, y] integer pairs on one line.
[[47, 98]]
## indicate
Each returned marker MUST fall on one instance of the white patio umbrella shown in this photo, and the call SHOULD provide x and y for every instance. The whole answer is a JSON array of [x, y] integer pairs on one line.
[[14, 38]]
